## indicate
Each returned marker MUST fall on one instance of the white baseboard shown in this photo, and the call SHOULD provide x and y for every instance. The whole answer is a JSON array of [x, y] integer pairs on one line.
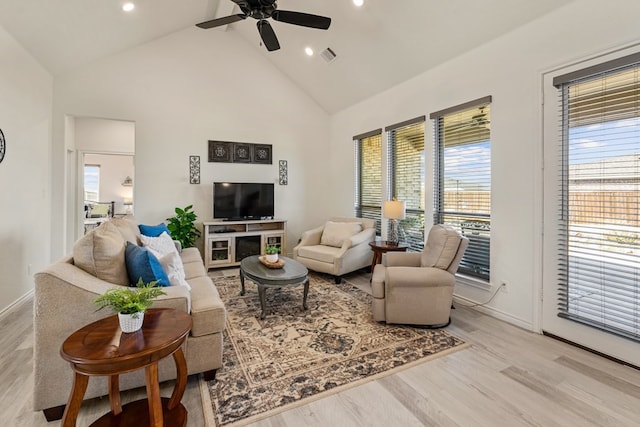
[[16, 304], [498, 314]]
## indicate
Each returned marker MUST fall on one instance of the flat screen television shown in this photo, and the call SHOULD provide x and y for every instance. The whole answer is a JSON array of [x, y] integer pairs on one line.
[[242, 200]]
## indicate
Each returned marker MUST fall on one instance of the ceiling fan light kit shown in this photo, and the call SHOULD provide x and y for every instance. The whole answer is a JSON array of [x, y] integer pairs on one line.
[[262, 10]]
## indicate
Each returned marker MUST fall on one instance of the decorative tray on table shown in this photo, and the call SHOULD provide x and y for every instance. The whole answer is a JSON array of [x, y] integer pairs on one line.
[[277, 264]]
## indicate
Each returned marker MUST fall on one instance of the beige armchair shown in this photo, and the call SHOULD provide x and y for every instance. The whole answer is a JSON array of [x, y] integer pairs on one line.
[[338, 247], [416, 288]]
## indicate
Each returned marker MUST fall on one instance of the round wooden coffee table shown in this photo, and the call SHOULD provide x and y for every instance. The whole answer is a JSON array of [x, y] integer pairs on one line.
[[292, 273], [101, 348]]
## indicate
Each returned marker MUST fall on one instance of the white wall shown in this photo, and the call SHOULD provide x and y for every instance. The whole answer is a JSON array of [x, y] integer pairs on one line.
[[510, 69], [183, 90], [104, 135], [25, 120]]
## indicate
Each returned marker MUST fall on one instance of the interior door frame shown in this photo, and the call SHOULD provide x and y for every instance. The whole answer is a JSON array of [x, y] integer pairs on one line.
[[79, 211]]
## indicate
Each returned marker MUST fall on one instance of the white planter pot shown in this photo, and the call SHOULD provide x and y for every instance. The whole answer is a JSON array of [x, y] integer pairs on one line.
[[128, 323], [272, 258]]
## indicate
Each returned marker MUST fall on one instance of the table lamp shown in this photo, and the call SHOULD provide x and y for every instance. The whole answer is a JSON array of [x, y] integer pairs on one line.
[[393, 210]]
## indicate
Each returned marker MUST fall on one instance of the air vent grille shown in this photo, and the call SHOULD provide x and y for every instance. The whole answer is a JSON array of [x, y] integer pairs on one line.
[[328, 55]]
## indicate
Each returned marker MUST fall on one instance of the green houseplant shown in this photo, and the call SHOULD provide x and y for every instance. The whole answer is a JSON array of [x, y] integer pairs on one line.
[[272, 253], [182, 227], [130, 303]]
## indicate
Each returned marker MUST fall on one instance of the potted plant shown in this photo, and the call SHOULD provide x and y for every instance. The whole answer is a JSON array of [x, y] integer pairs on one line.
[[130, 303], [182, 228], [272, 253]]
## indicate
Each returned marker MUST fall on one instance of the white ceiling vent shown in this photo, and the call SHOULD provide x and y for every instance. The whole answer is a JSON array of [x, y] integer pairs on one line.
[[328, 55]]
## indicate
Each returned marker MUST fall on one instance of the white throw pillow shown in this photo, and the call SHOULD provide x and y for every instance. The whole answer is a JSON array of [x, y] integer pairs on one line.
[[335, 233], [163, 244], [172, 265], [164, 248]]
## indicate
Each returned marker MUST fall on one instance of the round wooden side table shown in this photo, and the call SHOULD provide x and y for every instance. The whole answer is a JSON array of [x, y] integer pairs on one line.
[[101, 348], [380, 247]]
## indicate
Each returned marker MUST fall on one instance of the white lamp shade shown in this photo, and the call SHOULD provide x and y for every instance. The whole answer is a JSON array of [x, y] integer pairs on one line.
[[393, 209]]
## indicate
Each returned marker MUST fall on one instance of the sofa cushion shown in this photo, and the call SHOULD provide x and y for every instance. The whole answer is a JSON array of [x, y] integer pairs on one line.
[[153, 230], [127, 228], [207, 309], [319, 253], [192, 262], [141, 263], [101, 254], [190, 255], [441, 247], [335, 233]]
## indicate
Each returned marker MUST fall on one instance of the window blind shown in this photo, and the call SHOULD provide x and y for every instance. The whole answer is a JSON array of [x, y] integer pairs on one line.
[[599, 227], [463, 179], [368, 176], [406, 172]]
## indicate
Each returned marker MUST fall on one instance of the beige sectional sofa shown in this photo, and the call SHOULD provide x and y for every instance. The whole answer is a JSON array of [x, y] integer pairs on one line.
[[64, 294]]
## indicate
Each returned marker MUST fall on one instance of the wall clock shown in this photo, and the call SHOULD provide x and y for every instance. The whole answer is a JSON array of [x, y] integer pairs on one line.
[[3, 146]]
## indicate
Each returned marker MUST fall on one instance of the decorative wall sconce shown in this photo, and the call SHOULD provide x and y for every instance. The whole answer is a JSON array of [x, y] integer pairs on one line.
[[128, 182], [194, 169], [283, 172]]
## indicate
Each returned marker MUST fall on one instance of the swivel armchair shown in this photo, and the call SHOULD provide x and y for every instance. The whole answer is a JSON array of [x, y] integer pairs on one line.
[[416, 288]]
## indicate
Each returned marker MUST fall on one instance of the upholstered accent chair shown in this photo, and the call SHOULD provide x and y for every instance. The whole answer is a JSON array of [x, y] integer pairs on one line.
[[416, 288], [338, 247]]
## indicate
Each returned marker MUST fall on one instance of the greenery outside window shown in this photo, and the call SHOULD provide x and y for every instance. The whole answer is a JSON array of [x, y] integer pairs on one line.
[[368, 176], [406, 172], [462, 136]]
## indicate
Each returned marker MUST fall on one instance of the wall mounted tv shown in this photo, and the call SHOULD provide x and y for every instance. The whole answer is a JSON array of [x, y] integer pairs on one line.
[[242, 200]]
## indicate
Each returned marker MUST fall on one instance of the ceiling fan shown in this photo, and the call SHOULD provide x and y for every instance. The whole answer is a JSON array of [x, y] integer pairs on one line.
[[261, 10]]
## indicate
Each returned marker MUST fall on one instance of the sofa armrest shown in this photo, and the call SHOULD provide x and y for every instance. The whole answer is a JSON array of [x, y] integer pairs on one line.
[[402, 259], [420, 277]]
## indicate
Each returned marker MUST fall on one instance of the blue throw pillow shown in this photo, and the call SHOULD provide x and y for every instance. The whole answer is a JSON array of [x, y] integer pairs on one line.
[[153, 230], [141, 263]]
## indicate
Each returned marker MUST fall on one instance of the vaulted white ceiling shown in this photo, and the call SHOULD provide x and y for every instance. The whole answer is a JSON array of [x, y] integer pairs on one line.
[[378, 45]]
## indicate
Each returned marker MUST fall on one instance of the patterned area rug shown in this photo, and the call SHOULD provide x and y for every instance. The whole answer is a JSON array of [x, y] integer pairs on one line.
[[294, 356]]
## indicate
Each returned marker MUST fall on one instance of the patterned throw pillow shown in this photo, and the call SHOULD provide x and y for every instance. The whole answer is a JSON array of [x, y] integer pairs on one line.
[[164, 248]]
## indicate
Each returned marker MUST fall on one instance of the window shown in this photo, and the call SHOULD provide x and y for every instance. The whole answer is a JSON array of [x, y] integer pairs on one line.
[[406, 166], [91, 183], [599, 213], [463, 179], [368, 176]]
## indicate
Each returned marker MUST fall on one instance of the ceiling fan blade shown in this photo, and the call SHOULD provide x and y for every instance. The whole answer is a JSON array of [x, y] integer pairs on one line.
[[302, 19], [268, 35], [221, 21]]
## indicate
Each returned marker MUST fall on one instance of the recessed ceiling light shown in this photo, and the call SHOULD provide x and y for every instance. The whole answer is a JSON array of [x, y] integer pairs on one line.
[[308, 51], [358, 2], [128, 7]]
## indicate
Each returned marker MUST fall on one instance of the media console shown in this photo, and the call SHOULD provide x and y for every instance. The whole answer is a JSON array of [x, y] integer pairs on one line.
[[226, 243]]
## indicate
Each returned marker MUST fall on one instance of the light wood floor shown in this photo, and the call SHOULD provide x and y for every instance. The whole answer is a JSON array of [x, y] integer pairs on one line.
[[508, 377]]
